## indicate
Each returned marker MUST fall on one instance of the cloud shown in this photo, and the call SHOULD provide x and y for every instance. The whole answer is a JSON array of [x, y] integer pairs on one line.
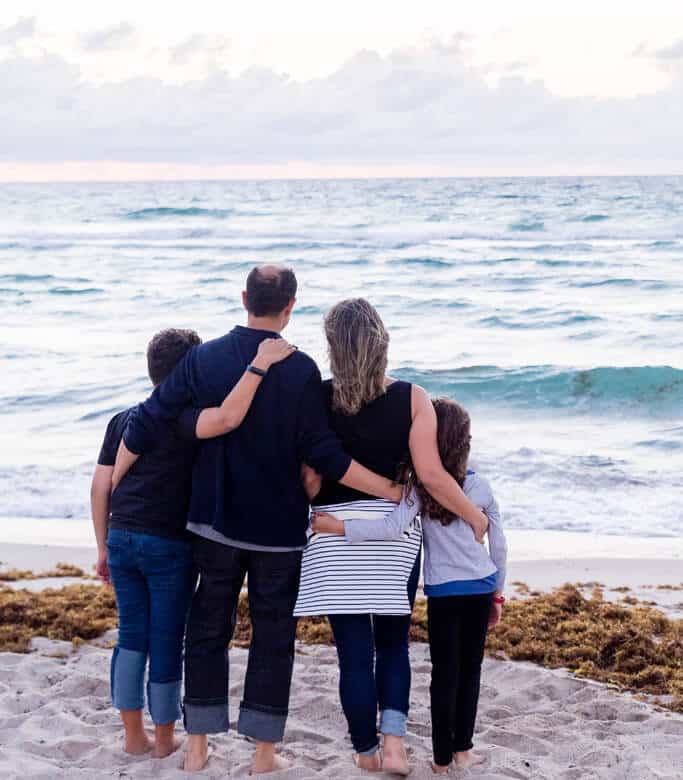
[[673, 52], [419, 106], [23, 28], [114, 37]]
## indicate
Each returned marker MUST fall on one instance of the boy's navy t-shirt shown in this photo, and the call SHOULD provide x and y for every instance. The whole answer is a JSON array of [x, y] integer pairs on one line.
[[154, 496]]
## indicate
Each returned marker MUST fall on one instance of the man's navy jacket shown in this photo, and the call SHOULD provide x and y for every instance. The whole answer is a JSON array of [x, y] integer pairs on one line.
[[247, 484]]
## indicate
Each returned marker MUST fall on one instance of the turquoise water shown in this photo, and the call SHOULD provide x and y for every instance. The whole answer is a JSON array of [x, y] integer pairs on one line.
[[552, 308]]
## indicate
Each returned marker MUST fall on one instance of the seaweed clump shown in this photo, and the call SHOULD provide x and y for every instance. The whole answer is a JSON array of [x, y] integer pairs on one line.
[[60, 570], [636, 648], [73, 613]]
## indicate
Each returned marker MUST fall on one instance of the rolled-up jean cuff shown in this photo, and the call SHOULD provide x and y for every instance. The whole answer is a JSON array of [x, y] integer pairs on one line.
[[206, 718], [164, 701], [370, 752], [393, 722], [261, 725], [128, 679]]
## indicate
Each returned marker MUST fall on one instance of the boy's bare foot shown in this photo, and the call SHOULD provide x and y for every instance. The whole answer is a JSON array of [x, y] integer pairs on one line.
[[197, 753], [137, 744], [371, 763], [166, 747], [394, 756], [467, 759], [276, 764], [441, 770]]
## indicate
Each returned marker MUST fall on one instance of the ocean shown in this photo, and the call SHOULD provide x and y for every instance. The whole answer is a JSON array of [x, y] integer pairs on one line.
[[552, 308]]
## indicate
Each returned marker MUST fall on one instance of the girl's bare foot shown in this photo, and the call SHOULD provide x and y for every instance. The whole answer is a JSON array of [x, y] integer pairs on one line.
[[371, 763], [394, 756], [441, 770], [197, 753], [467, 759]]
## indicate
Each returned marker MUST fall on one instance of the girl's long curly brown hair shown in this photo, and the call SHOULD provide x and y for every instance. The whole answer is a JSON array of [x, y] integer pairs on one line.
[[453, 440]]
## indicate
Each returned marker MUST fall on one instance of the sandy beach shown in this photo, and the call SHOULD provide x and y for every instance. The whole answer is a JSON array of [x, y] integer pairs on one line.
[[56, 720]]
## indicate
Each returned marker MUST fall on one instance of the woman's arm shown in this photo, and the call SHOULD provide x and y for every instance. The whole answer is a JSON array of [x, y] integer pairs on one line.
[[392, 526], [429, 468], [100, 491], [222, 419]]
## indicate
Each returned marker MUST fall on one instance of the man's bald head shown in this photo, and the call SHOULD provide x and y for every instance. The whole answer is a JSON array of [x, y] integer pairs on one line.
[[270, 289]]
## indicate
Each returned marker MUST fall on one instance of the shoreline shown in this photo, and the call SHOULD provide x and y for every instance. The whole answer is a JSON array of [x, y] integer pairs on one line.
[[625, 568]]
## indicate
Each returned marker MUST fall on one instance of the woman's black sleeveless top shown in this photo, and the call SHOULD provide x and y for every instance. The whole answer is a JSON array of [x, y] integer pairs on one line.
[[377, 437]]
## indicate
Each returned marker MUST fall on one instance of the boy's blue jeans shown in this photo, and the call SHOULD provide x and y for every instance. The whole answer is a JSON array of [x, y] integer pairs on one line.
[[154, 579]]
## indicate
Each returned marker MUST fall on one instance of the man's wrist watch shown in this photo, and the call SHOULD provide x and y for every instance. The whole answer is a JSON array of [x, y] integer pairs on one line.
[[254, 370]]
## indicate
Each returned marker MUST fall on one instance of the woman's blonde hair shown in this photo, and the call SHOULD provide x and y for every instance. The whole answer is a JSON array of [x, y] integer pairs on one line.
[[358, 345]]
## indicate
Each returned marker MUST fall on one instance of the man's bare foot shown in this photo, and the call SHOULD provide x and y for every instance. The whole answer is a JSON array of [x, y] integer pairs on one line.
[[371, 763], [440, 770], [137, 744], [275, 764], [467, 759], [197, 753], [394, 756]]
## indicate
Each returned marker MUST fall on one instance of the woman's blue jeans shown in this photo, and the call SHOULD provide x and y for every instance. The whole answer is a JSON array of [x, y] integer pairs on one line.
[[374, 671], [154, 579]]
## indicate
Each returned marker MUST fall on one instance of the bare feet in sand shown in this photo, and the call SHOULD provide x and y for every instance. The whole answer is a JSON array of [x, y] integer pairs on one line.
[[163, 748], [394, 756], [137, 744], [371, 763], [275, 764], [467, 759], [197, 753]]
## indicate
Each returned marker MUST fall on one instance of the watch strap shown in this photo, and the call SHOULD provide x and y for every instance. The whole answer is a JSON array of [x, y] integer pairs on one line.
[[258, 371]]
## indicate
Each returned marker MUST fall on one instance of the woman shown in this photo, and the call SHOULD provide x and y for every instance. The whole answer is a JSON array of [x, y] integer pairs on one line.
[[367, 590]]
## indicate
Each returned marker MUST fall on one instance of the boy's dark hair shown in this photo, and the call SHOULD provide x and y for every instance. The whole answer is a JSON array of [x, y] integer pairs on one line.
[[269, 290], [166, 349], [453, 440]]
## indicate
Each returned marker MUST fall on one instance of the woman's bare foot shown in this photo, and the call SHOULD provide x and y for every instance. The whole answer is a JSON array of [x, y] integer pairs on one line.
[[197, 753], [441, 770], [394, 756], [467, 759], [371, 763]]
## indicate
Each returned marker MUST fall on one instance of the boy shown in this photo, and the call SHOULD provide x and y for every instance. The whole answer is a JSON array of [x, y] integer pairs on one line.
[[144, 549]]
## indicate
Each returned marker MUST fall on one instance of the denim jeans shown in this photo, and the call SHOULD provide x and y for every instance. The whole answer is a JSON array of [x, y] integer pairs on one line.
[[154, 578], [273, 586], [457, 636], [374, 670]]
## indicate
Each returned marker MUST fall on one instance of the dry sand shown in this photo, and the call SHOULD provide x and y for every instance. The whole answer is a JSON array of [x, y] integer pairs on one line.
[[56, 722], [56, 719]]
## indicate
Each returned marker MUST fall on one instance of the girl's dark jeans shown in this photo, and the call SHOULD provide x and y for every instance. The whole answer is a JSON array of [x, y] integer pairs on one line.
[[374, 670], [457, 635], [273, 585], [154, 579]]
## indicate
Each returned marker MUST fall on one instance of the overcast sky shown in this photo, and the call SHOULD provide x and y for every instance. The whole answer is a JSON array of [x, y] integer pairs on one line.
[[151, 89]]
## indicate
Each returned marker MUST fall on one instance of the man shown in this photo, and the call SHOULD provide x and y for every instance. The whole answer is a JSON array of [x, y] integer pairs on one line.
[[249, 511]]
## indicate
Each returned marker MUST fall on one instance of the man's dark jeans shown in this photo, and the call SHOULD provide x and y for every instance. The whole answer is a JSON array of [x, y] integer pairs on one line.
[[273, 585]]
